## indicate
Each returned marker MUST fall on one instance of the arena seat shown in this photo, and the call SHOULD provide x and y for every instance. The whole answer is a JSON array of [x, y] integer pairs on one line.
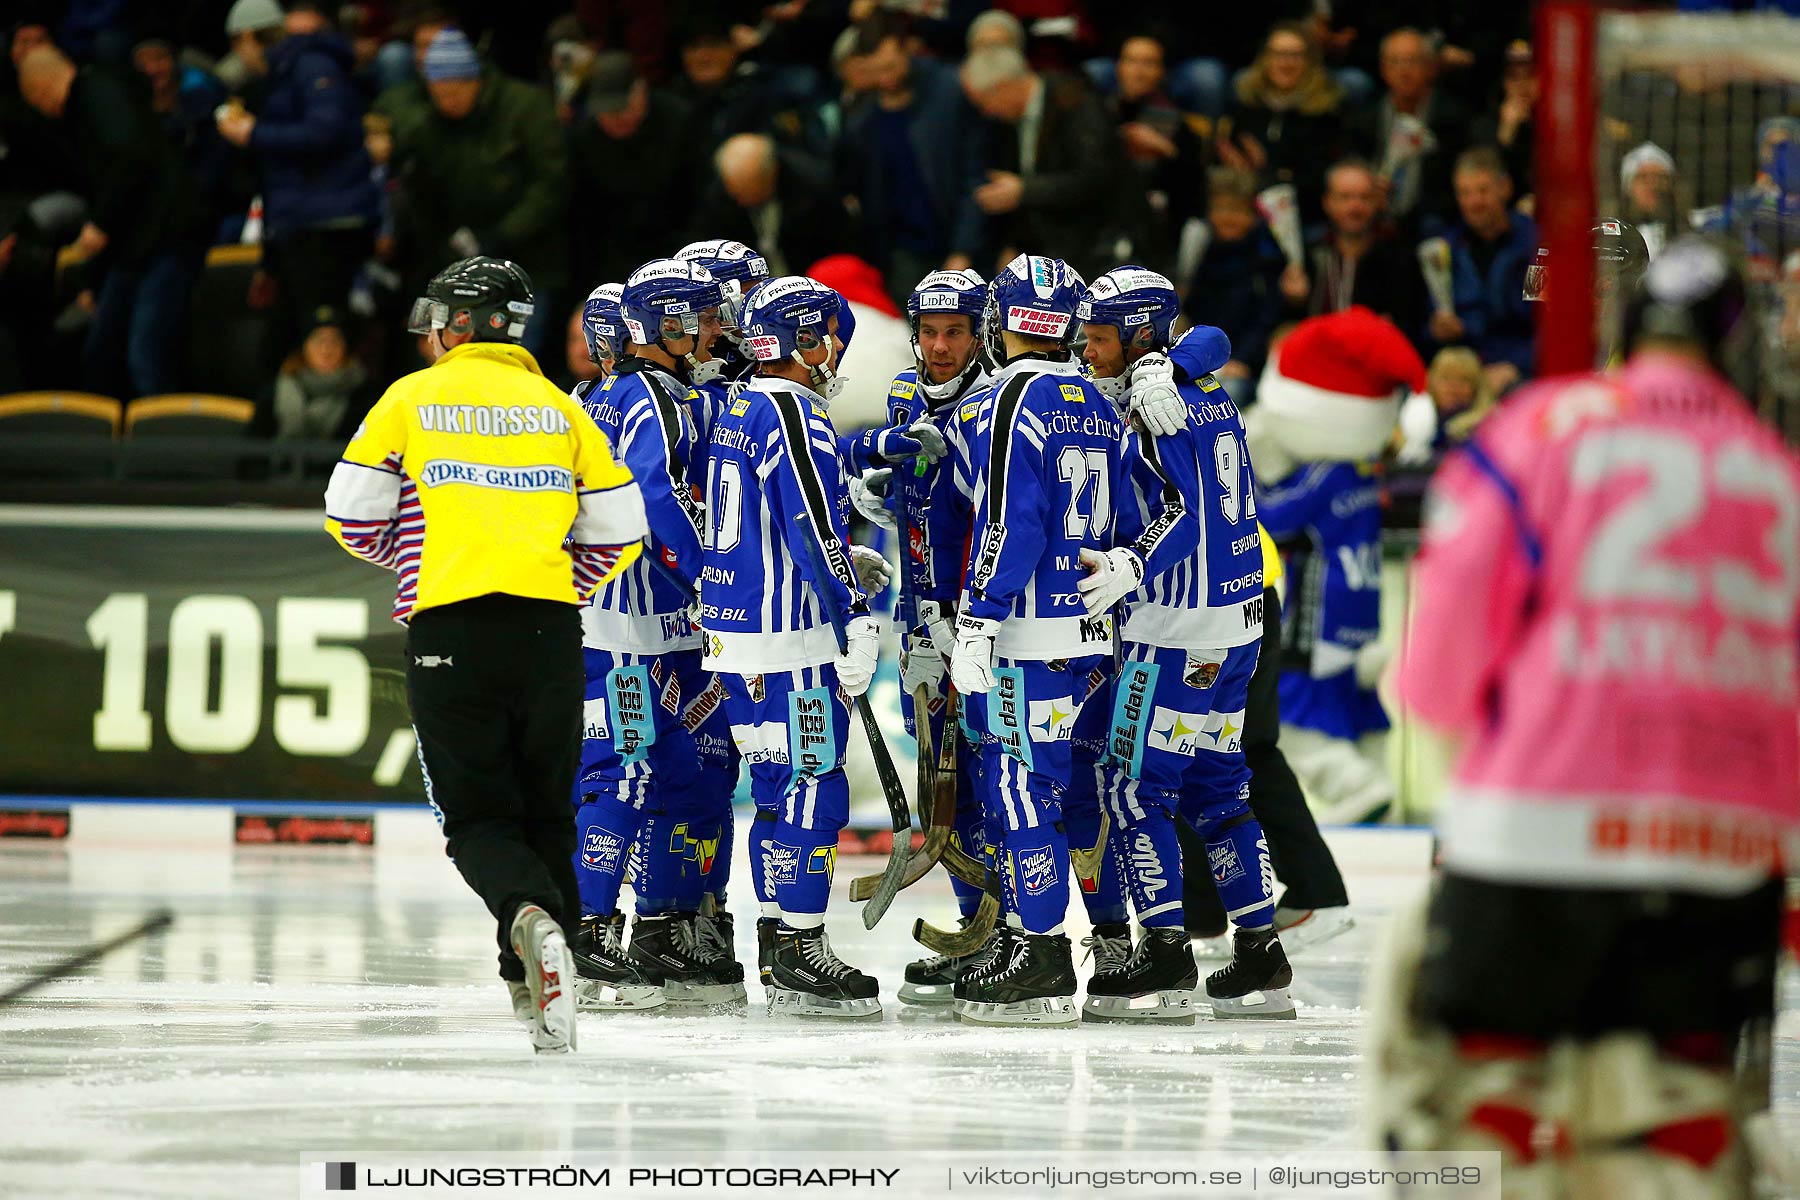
[[57, 435], [188, 415], [187, 436], [66, 414]]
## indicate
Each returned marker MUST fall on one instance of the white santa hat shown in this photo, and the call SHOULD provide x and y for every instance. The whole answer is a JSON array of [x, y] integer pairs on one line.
[[1331, 392]]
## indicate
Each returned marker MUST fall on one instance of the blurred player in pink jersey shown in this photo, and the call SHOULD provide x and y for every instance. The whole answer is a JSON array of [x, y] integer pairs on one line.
[[1608, 620]]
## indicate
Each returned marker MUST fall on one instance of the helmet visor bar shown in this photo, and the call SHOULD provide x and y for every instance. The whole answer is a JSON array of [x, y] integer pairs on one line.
[[427, 315]]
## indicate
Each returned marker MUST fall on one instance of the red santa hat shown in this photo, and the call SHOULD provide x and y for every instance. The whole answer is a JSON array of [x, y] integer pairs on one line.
[[1334, 386], [855, 280]]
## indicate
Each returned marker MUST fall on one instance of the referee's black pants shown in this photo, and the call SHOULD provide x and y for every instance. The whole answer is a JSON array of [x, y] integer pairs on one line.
[[1296, 849], [495, 685]]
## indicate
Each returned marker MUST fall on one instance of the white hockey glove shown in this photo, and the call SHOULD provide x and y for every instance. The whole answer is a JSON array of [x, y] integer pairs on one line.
[[1155, 404], [921, 665], [873, 570], [856, 665], [972, 658], [925, 655], [1111, 576], [936, 618], [868, 492]]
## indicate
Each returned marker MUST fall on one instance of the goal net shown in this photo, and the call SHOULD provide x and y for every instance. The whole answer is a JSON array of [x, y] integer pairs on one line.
[[1672, 123]]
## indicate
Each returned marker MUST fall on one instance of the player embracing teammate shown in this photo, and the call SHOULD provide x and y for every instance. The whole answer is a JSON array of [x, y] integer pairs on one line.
[[1081, 607], [1188, 567]]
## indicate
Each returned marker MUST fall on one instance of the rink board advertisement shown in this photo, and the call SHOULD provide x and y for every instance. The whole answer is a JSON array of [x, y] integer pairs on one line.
[[220, 654]]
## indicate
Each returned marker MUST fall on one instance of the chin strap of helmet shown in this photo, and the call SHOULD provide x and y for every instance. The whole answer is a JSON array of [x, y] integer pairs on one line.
[[825, 381], [953, 388], [1113, 389], [703, 372]]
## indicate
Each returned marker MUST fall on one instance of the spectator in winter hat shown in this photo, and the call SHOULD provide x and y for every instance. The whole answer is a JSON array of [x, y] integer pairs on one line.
[[622, 118], [485, 171], [245, 26], [1647, 186], [452, 74], [320, 383]]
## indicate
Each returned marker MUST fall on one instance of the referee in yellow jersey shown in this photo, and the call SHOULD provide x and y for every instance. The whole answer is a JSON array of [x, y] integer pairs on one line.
[[498, 502]]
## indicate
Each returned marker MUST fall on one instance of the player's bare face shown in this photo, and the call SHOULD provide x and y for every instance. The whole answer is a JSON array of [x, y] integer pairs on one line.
[[946, 343], [710, 332], [1104, 353]]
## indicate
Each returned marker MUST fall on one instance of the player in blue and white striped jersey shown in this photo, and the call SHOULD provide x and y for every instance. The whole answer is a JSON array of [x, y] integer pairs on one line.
[[1045, 452], [927, 502], [643, 657], [778, 574], [1188, 566]]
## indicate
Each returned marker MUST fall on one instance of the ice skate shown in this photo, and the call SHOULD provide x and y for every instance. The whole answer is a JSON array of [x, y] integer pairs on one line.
[[605, 979], [716, 929], [1109, 946], [549, 970], [1029, 980], [1256, 982], [667, 947], [806, 979], [932, 981], [1155, 984], [998, 945], [765, 946], [523, 1009], [1303, 928]]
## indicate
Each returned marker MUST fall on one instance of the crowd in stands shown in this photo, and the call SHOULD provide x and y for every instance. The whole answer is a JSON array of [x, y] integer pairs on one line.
[[329, 158]]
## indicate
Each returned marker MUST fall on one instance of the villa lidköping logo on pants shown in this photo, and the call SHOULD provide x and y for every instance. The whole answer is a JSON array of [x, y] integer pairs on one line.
[[600, 850], [781, 865], [1037, 870], [1226, 866]]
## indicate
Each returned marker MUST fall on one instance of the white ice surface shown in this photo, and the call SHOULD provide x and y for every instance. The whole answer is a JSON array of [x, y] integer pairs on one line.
[[314, 999]]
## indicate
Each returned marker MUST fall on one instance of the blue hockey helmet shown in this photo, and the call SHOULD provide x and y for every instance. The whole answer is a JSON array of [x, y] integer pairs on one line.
[[664, 299], [963, 292], [1139, 303], [736, 267], [603, 323], [789, 315], [947, 291], [1035, 296]]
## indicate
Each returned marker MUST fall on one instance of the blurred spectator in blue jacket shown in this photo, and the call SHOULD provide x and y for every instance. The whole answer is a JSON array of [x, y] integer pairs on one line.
[[913, 150], [1491, 245], [319, 202], [1237, 284]]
